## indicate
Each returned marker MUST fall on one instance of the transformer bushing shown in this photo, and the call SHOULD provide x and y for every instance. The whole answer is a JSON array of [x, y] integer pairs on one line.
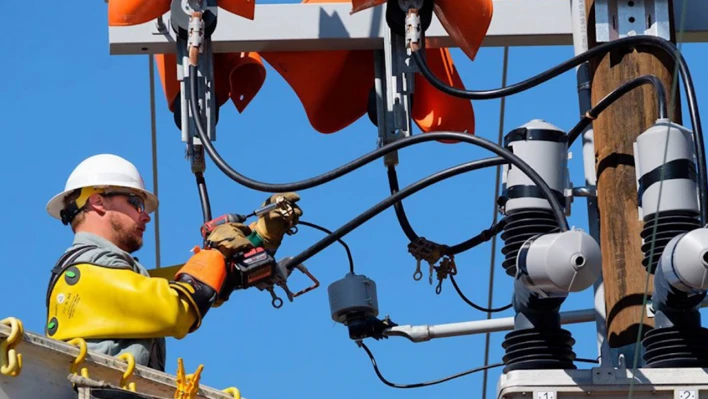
[[549, 266], [680, 283], [671, 174], [546, 264], [527, 213]]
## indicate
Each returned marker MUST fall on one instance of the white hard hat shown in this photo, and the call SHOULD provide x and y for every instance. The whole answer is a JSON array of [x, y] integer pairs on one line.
[[101, 171]]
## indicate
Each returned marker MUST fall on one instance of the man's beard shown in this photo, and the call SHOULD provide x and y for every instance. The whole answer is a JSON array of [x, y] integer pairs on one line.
[[128, 240]]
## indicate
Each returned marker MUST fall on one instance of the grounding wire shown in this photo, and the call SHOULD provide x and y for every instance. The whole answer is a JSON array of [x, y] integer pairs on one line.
[[346, 247], [486, 367], [489, 310], [421, 384], [602, 49]]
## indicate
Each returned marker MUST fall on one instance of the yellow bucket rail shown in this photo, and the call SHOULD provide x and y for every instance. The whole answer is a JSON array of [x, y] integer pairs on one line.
[[83, 369]]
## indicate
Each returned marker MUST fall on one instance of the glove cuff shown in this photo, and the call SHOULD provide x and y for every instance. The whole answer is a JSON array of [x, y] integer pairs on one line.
[[256, 239], [199, 281]]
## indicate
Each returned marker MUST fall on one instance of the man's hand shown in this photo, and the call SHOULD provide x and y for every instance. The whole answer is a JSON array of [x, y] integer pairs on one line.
[[272, 226], [230, 239]]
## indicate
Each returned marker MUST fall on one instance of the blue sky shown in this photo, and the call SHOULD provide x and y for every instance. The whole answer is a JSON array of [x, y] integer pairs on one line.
[[66, 99]]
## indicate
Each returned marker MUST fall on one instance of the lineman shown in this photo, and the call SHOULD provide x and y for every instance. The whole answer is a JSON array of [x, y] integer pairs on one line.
[[99, 292]]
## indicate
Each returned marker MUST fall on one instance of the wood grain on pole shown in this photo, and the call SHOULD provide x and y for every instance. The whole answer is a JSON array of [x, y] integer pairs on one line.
[[615, 131]]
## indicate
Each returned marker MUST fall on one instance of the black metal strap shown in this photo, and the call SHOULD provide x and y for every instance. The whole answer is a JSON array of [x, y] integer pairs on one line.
[[676, 169], [66, 261], [520, 191], [526, 134]]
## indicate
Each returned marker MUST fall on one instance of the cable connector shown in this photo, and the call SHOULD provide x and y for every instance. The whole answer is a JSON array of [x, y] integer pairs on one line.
[[423, 249], [413, 30], [446, 268], [195, 40]]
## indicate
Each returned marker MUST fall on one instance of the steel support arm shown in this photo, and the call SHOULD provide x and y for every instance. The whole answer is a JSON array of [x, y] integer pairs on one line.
[[296, 27]]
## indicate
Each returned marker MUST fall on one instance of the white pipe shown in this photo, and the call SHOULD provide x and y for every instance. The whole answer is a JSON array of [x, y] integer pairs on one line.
[[426, 332]]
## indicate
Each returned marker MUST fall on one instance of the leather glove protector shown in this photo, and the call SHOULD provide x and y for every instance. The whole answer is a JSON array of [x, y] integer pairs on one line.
[[230, 239], [272, 226]]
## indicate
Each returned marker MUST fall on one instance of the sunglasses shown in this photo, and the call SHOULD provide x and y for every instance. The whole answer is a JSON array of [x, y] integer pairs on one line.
[[135, 201]]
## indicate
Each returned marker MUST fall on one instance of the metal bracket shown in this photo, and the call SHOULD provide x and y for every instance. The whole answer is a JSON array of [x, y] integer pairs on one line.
[[616, 19], [206, 101], [395, 72], [611, 376]]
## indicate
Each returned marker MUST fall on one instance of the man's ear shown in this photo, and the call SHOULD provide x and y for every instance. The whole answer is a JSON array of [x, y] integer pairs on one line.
[[97, 203]]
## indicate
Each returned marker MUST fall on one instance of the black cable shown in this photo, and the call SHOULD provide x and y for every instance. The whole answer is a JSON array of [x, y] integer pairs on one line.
[[422, 384], [583, 360], [631, 41], [398, 206], [346, 247], [387, 202], [482, 237], [615, 95], [363, 160], [203, 196], [474, 305], [455, 249], [413, 236], [505, 154]]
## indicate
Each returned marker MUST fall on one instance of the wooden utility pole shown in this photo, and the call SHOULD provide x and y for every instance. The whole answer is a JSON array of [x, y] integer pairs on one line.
[[615, 131]]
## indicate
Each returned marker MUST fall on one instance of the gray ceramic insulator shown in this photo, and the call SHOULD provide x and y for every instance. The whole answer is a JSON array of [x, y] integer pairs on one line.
[[649, 152], [544, 147], [684, 262], [559, 263], [352, 296]]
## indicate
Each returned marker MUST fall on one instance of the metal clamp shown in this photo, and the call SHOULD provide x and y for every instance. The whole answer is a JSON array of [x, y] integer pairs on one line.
[[196, 34], [394, 86], [446, 268], [423, 249], [616, 19]]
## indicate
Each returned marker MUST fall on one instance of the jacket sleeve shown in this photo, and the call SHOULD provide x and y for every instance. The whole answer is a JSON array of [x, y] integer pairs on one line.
[[90, 301]]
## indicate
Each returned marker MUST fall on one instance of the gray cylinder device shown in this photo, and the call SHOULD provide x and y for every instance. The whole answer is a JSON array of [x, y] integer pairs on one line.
[[352, 297], [559, 263], [679, 191], [545, 148], [684, 262]]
